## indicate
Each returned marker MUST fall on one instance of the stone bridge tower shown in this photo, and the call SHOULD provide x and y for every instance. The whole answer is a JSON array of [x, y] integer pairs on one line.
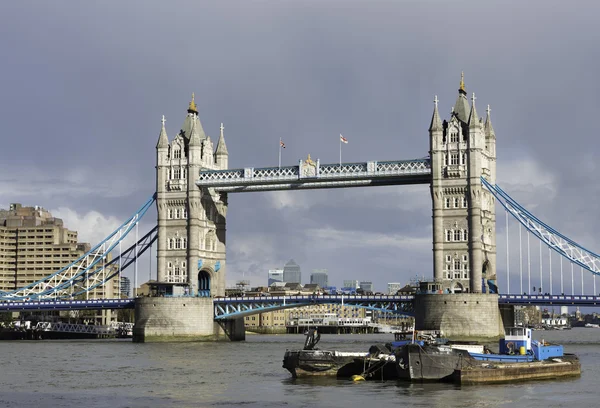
[[462, 149], [191, 221]]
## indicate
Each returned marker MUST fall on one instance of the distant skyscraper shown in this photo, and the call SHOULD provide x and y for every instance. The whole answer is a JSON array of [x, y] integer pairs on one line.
[[275, 275], [393, 288], [319, 276], [292, 273], [366, 286], [351, 284], [125, 286]]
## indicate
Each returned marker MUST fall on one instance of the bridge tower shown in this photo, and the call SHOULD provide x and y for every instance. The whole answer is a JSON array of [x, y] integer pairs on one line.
[[463, 149], [191, 221]]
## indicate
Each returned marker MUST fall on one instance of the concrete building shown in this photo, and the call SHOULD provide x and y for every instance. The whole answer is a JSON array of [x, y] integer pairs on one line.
[[292, 272], [275, 275], [462, 150], [319, 277], [34, 244], [351, 284], [366, 286], [125, 286], [392, 288]]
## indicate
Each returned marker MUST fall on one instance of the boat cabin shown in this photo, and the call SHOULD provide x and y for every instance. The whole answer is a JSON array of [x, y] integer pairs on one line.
[[517, 340]]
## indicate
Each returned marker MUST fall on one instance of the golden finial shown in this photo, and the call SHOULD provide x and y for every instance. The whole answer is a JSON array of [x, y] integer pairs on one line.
[[192, 106], [462, 81]]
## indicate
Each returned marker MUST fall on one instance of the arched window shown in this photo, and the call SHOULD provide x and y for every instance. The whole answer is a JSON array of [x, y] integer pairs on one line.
[[447, 202], [456, 269], [170, 213], [177, 243], [463, 159], [176, 173], [184, 243], [458, 235], [454, 136], [465, 235], [445, 159], [184, 213], [169, 243], [456, 202], [184, 173], [177, 153], [184, 266], [177, 213], [448, 235], [464, 202]]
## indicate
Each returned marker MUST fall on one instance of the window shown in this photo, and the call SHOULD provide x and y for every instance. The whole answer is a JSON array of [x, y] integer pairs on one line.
[[458, 235], [184, 173], [177, 213], [184, 243], [446, 159], [176, 173], [448, 258], [454, 136], [447, 202], [177, 243], [170, 213], [177, 271], [183, 266], [456, 202], [465, 259], [177, 153], [169, 265], [463, 159], [169, 243], [184, 213], [465, 235], [464, 202], [454, 159], [448, 235]]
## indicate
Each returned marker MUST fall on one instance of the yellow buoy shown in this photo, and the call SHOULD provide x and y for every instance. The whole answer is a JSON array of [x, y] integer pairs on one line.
[[522, 350], [358, 378]]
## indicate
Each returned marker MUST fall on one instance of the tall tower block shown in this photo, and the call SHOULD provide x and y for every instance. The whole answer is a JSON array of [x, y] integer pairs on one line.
[[462, 150], [191, 233]]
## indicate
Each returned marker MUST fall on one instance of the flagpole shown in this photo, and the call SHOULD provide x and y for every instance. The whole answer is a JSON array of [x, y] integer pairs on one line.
[[340, 150], [279, 152]]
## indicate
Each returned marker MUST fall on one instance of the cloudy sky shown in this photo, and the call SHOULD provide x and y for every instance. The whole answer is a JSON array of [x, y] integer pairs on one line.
[[83, 87]]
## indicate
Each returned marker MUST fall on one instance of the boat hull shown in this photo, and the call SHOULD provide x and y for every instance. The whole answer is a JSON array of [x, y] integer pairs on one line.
[[434, 363], [310, 363]]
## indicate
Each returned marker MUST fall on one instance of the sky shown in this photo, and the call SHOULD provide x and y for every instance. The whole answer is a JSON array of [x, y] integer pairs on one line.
[[83, 87]]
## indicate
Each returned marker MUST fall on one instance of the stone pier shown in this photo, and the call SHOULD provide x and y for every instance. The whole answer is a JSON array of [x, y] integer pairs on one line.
[[182, 319]]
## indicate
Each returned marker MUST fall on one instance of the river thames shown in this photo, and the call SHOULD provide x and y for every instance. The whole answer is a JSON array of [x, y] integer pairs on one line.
[[119, 373]]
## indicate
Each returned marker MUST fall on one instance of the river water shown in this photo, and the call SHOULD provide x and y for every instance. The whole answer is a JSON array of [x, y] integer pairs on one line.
[[119, 373]]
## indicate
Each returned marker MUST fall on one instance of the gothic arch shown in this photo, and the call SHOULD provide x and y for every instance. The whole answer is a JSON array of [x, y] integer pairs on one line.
[[204, 278]]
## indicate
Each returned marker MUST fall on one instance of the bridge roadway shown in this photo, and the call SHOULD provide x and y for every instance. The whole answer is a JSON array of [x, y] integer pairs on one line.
[[232, 307]]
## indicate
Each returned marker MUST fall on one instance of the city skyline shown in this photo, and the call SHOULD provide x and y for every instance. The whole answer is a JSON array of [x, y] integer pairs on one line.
[[90, 160]]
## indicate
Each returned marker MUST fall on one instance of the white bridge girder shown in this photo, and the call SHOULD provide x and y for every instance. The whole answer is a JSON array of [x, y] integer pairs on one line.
[[313, 175]]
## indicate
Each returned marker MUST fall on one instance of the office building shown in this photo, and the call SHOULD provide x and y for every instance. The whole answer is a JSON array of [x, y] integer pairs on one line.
[[275, 275], [319, 277], [291, 272], [351, 284], [366, 286], [125, 286], [34, 245], [393, 288]]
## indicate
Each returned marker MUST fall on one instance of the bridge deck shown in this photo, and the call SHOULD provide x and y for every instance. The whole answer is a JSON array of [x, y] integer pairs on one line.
[[313, 175]]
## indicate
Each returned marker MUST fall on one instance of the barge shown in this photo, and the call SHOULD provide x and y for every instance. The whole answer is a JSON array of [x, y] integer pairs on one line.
[[520, 358]]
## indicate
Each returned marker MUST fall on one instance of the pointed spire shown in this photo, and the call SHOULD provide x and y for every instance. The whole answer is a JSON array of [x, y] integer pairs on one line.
[[192, 108], [221, 147], [436, 122], [195, 136], [462, 83], [163, 139], [473, 118], [489, 130]]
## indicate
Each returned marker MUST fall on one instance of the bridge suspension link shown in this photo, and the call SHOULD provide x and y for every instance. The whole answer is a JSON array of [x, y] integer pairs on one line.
[[556, 241]]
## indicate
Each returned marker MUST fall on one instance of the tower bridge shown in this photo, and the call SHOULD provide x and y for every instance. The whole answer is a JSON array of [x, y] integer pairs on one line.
[[193, 183]]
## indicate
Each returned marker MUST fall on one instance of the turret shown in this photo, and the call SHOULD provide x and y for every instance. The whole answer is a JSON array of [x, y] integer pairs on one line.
[[221, 155], [162, 169]]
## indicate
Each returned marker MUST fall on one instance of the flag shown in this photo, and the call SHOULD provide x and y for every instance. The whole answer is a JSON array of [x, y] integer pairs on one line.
[[281, 144], [343, 139]]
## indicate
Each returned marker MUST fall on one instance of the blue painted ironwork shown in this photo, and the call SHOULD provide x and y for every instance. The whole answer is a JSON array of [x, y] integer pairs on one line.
[[235, 307], [312, 175], [560, 300], [45, 305], [558, 242], [89, 270]]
